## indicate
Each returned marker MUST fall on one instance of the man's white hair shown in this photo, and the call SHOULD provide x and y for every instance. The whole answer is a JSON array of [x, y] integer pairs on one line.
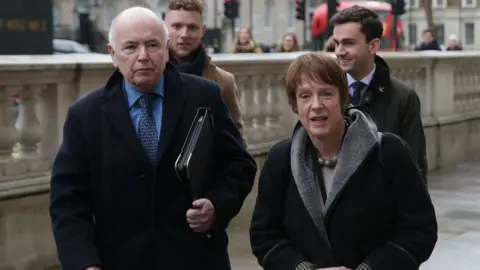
[[138, 11]]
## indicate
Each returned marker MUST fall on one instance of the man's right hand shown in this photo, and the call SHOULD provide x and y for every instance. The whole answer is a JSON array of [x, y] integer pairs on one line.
[[92, 268]]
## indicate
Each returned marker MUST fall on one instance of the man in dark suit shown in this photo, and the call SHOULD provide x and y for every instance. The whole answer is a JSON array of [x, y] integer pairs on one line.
[[116, 203], [394, 106]]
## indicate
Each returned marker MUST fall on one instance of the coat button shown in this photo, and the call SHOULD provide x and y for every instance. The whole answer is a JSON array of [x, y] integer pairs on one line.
[[142, 176]]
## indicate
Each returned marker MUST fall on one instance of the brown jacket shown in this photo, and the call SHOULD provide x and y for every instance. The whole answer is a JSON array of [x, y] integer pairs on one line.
[[230, 92]]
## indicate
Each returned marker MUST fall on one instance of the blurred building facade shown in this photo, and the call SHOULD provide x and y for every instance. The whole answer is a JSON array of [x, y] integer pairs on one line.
[[270, 19], [452, 17]]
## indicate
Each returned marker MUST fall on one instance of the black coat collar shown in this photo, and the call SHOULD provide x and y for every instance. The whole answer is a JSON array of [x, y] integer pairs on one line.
[[116, 113]]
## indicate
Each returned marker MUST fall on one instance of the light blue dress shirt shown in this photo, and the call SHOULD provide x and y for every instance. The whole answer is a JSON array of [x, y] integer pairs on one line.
[[367, 80], [134, 105]]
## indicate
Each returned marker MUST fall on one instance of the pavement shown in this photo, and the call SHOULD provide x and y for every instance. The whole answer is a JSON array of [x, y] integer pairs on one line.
[[456, 196]]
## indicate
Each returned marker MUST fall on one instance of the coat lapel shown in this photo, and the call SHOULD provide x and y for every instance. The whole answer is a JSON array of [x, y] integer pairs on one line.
[[173, 104], [307, 184], [116, 113], [352, 154]]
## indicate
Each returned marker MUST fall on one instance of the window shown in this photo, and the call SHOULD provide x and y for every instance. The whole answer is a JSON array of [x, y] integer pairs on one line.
[[56, 15], [469, 33], [205, 12], [161, 11], [268, 9], [439, 3], [110, 14], [469, 3], [440, 34], [412, 3], [291, 14], [313, 3], [412, 34]]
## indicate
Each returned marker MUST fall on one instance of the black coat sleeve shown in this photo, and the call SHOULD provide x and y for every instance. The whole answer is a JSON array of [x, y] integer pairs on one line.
[[70, 206], [414, 234], [236, 167], [268, 238], [412, 131]]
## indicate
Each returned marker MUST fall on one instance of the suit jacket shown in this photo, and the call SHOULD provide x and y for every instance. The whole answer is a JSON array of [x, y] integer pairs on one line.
[[396, 108], [111, 207], [229, 88]]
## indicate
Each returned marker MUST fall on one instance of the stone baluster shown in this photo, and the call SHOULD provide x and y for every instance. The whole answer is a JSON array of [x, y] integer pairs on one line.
[[476, 91], [29, 127], [244, 84], [253, 111], [258, 123], [47, 113], [274, 112], [467, 87], [8, 136], [474, 98]]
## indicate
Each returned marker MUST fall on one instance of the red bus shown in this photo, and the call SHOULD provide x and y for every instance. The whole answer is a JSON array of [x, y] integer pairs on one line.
[[320, 21]]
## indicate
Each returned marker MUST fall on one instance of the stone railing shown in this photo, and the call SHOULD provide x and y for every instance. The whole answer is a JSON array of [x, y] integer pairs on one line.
[[448, 84]]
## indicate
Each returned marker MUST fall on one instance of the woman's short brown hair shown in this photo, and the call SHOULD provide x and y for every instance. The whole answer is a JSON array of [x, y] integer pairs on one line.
[[316, 67]]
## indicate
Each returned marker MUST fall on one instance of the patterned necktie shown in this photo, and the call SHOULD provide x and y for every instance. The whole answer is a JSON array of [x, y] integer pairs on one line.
[[357, 92], [147, 129]]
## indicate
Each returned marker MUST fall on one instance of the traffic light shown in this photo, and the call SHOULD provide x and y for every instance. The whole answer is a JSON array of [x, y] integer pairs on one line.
[[231, 9], [398, 7], [300, 10]]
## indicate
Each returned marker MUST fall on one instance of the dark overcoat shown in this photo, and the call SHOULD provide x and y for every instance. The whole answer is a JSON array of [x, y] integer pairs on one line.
[[378, 212], [110, 207], [396, 108]]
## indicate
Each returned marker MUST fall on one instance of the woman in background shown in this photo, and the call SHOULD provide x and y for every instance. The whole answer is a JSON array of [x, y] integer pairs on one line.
[[289, 43], [244, 43]]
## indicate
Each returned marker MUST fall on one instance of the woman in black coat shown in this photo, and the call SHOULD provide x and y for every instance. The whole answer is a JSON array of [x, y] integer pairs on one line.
[[338, 194]]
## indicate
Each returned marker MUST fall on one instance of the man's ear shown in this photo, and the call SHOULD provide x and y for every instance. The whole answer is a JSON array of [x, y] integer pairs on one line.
[[111, 51], [168, 50], [374, 45]]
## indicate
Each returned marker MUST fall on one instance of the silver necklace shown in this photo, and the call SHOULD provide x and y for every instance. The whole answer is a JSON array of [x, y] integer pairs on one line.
[[328, 162]]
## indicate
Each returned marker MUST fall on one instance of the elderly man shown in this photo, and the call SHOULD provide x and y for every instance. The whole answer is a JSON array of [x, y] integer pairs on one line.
[[116, 203], [186, 29]]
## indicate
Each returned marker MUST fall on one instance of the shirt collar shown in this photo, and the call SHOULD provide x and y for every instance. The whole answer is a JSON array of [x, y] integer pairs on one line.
[[133, 94], [366, 80]]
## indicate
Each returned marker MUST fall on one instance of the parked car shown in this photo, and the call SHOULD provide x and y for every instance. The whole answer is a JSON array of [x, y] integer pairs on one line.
[[61, 46]]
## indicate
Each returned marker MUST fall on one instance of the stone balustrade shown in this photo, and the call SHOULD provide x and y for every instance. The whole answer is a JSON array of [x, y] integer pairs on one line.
[[448, 84]]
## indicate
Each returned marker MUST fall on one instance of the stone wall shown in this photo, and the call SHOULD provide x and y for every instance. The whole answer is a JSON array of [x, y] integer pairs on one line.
[[446, 82]]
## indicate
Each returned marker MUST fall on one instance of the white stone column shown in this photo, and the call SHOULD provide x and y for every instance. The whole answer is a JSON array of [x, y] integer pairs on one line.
[[47, 114], [259, 93], [8, 136], [444, 87], [29, 127], [245, 85], [274, 107]]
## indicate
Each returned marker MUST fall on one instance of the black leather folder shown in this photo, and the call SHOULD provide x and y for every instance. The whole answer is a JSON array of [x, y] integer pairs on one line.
[[195, 163]]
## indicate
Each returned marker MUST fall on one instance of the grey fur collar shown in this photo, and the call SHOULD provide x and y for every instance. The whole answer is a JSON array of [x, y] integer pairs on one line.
[[361, 136]]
